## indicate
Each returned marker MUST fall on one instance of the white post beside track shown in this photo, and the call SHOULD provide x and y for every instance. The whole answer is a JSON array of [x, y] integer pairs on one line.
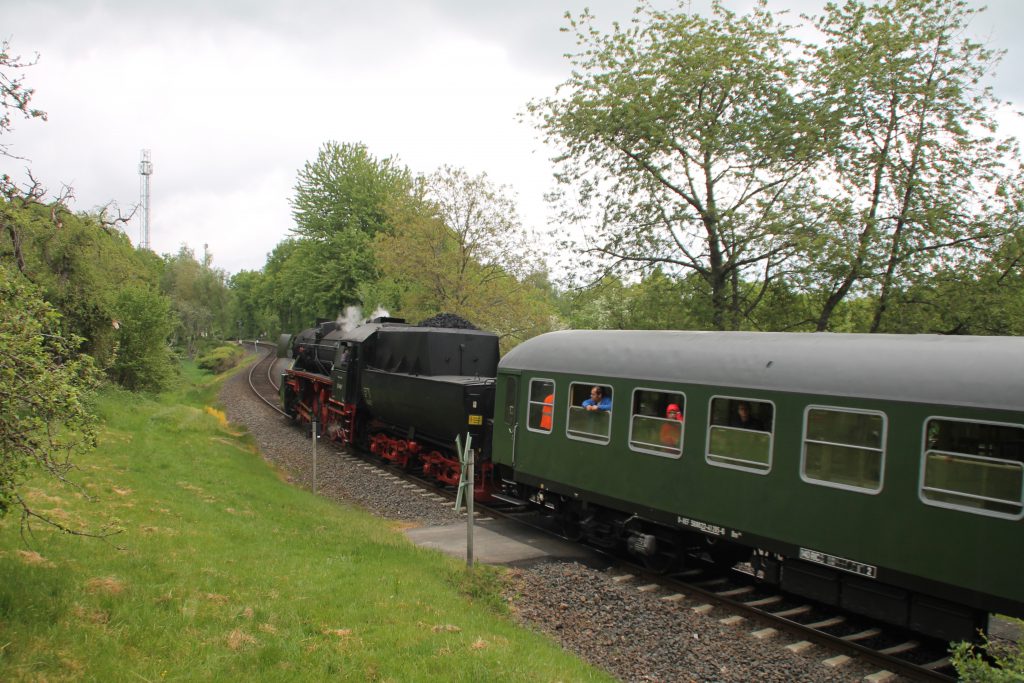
[[469, 503], [314, 455], [466, 480]]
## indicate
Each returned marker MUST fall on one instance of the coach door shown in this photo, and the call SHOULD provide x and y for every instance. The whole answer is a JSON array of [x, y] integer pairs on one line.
[[506, 430]]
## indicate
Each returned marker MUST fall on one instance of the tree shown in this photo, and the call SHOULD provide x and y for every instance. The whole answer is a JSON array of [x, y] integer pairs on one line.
[[15, 99], [80, 266], [200, 298], [15, 96], [342, 200], [347, 189], [309, 279], [913, 162], [250, 305], [987, 299], [45, 388], [144, 359], [461, 249], [683, 147]]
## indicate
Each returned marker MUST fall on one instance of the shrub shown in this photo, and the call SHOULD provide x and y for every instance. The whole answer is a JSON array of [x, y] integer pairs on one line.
[[144, 359], [222, 358], [989, 662], [46, 387]]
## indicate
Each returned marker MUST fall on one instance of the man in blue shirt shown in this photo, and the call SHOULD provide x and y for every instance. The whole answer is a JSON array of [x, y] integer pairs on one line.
[[598, 401]]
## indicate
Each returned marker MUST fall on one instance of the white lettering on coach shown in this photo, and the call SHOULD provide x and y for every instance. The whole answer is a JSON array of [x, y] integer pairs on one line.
[[836, 562]]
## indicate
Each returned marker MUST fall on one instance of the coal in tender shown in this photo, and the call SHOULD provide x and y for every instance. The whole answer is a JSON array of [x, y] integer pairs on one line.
[[449, 320]]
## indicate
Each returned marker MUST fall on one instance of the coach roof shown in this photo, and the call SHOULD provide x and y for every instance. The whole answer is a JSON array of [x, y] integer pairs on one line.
[[968, 371]]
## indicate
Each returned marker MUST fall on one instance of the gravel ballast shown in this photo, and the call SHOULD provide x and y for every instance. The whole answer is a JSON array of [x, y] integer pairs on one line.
[[634, 635]]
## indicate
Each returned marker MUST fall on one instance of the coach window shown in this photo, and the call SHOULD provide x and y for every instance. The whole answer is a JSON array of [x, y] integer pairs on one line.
[[656, 422], [974, 466], [542, 405], [843, 448], [588, 420], [740, 433]]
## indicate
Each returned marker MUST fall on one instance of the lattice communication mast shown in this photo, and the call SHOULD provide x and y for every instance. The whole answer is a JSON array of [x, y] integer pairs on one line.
[[145, 170]]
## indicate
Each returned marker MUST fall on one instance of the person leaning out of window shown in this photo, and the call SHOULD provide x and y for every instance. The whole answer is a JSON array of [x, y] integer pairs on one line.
[[598, 402]]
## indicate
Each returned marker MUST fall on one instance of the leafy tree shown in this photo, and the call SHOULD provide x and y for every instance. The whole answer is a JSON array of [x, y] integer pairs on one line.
[[144, 359], [988, 299], [913, 163], [250, 305], [342, 200], [346, 189], [45, 388], [461, 249], [657, 302], [683, 147], [15, 96], [15, 100], [80, 265], [308, 279], [200, 298]]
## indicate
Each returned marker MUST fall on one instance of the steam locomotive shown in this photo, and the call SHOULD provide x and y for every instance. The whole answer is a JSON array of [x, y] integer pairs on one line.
[[880, 473]]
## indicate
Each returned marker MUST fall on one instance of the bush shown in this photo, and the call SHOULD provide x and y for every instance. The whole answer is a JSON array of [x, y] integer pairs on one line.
[[222, 358], [46, 387], [989, 662], [144, 361]]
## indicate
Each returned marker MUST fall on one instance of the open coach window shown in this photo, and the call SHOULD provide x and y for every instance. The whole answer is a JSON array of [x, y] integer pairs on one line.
[[542, 405], [740, 433], [974, 466], [590, 412], [656, 422]]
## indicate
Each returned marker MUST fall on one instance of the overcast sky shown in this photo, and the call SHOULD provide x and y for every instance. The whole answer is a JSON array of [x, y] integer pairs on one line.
[[232, 97]]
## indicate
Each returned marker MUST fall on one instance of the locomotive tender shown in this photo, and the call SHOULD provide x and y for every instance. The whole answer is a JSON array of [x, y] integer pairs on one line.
[[401, 391], [880, 473]]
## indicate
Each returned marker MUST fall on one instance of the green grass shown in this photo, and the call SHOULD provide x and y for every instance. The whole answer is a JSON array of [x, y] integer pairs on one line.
[[225, 572]]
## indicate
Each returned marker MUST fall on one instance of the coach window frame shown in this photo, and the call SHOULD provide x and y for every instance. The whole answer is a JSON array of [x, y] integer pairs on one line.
[[530, 403], [834, 484], [674, 454], [737, 463], [972, 457], [588, 437]]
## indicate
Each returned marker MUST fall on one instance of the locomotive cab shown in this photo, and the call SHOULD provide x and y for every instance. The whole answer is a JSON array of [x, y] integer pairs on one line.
[[344, 373]]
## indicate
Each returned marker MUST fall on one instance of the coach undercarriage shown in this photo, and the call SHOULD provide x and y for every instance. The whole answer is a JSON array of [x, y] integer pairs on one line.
[[662, 548]]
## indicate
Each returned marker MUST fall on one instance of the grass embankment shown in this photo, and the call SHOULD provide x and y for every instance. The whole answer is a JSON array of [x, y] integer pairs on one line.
[[225, 572]]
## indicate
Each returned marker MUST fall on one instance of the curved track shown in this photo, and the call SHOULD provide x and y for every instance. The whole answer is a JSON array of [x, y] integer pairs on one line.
[[267, 362]]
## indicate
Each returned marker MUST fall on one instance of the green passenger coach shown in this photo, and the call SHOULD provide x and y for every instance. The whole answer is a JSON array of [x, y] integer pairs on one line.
[[880, 473]]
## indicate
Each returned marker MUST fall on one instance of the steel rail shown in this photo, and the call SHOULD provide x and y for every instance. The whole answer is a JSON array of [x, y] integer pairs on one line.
[[269, 356]]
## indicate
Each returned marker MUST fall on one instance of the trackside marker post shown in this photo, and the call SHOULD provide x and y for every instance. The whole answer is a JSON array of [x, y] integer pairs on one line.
[[466, 482], [314, 454]]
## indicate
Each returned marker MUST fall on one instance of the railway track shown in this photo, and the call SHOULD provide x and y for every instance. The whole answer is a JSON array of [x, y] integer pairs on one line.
[[795, 624], [261, 373], [798, 624]]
